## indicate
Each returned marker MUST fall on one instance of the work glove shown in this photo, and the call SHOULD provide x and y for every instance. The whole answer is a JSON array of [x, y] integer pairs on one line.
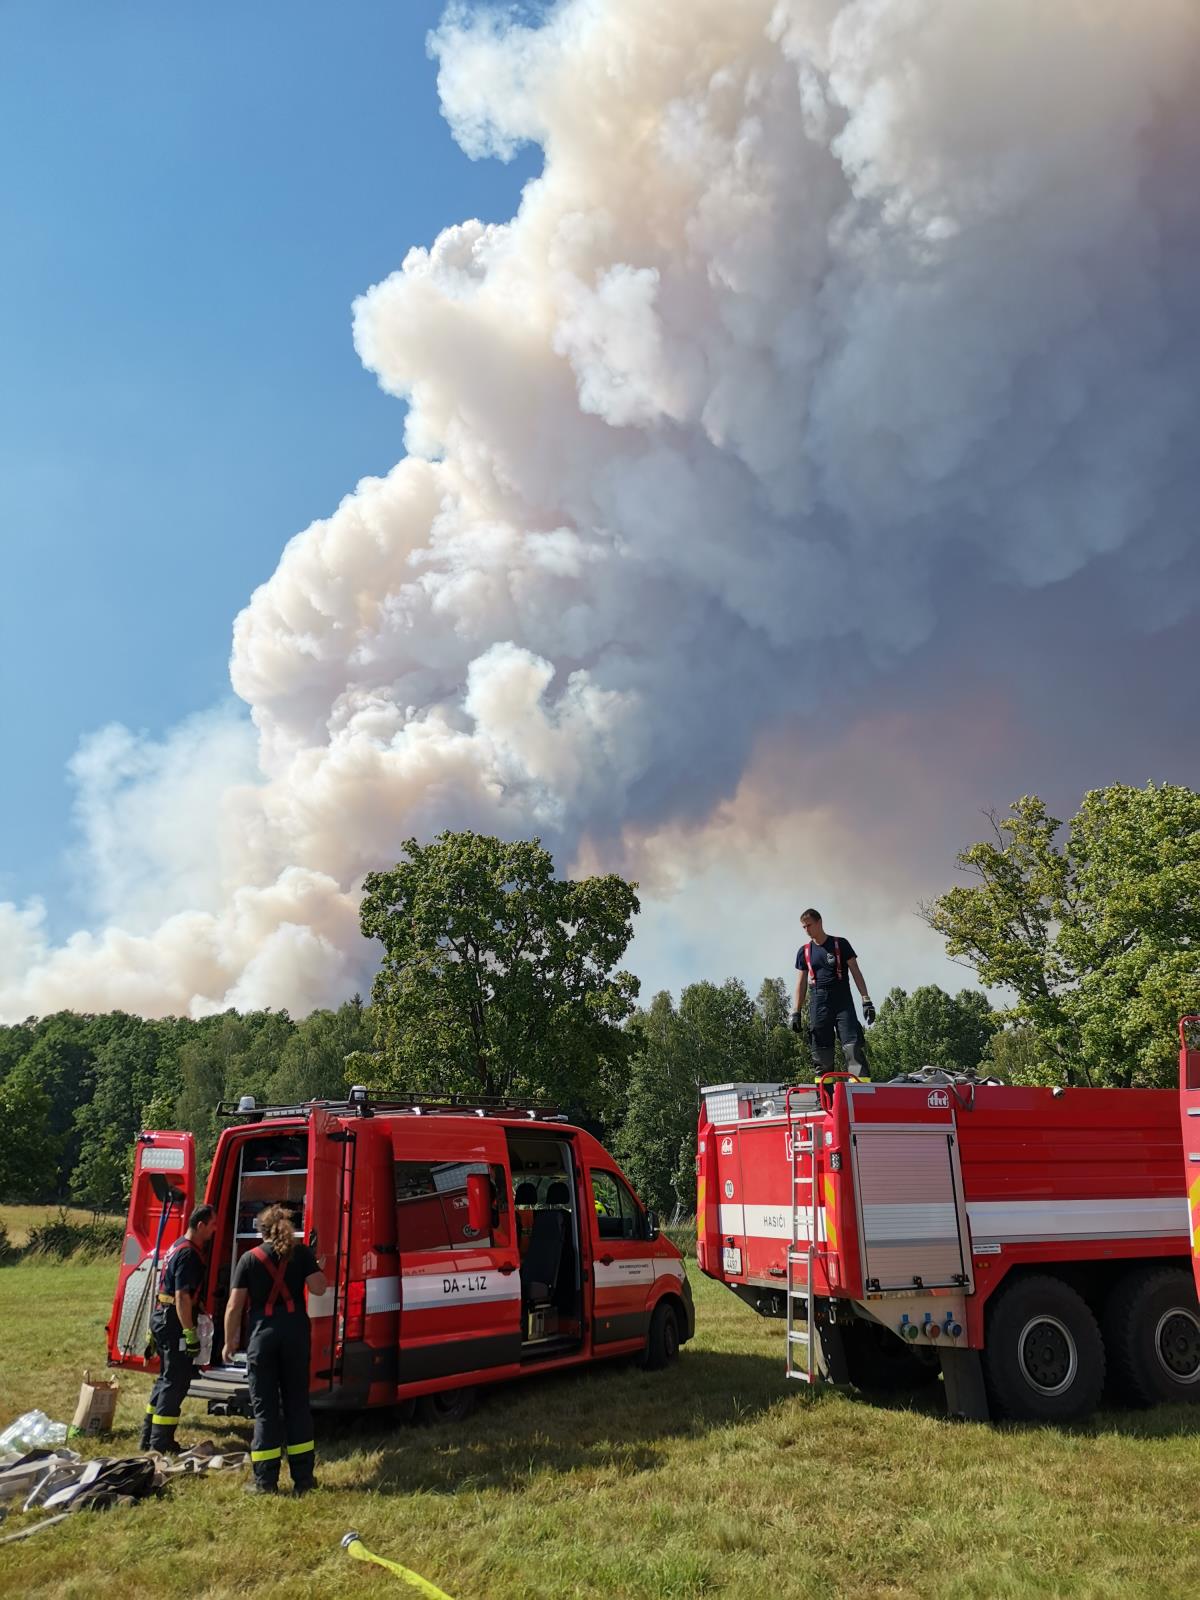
[[797, 1022], [191, 1341], [868, 1013]]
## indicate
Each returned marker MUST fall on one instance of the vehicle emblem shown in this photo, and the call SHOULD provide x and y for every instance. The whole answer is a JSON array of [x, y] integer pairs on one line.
[[729, 1188], [726, 1147], [938, 1099]]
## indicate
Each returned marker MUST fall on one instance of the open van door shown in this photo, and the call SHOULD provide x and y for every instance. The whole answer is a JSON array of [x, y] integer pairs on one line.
[[163, 1193], [327, 1211]]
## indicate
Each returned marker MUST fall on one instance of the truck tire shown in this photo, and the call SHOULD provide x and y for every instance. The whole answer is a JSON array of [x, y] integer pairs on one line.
[[1152, 1335], [880, 1363], [662, 1341], [447, 1405], [1043, 1357]]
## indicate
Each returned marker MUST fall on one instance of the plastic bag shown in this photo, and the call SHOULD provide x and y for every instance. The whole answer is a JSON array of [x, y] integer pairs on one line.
[[30, 1430], [204, 1327]]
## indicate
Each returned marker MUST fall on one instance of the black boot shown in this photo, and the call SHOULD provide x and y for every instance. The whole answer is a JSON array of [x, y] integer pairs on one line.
[[147, 1429], [265, 1479], [162, 1439]]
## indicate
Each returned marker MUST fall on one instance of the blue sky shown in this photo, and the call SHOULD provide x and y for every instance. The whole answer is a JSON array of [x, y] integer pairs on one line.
[[194, 197]]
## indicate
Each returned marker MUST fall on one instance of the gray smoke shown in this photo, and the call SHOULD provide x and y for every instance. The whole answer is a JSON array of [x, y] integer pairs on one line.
[[823, 315]]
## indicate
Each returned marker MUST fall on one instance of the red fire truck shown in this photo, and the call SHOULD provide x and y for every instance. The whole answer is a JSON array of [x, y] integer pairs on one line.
[[1029, 1244], [464, 1245]]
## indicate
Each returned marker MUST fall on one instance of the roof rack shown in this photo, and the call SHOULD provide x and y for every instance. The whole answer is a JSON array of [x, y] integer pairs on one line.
[[361, 1103]]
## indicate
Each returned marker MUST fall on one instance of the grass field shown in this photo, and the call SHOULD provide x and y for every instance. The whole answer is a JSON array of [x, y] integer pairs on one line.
[[714, 1478], [20, 1220]]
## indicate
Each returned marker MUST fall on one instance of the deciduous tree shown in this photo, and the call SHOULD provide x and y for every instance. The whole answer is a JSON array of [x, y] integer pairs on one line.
[[499, 978], [1096, 931]]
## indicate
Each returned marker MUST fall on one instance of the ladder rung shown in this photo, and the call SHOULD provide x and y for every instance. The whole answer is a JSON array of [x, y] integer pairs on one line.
[[797, 1338]]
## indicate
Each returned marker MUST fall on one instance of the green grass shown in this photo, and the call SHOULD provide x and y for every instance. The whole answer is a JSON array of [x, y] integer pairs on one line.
[[715, 1478]]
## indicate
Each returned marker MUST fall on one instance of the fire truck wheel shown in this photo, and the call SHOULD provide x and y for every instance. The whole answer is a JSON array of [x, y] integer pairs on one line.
[[447, 1405], [662, 1341], [1152, 1333], [1043, 1357]]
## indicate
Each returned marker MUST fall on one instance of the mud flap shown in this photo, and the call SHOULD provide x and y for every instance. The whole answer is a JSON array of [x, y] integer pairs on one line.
[[831, 1350], [966, 1396]]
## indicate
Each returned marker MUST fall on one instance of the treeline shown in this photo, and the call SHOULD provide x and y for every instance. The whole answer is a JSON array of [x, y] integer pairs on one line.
[[76, 1089]]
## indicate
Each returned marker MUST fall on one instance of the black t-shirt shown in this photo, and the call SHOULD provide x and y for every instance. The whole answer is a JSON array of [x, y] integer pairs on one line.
[[826, 961], [183, 1270], [257, 1278]]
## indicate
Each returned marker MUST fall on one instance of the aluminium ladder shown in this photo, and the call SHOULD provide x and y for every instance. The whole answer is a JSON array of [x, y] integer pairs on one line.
[[805, 1137]]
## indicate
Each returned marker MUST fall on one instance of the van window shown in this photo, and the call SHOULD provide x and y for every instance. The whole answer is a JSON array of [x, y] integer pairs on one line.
[[431, 1206], [618, 1215]]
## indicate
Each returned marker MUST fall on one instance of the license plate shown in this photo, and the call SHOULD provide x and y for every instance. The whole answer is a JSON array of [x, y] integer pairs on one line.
[[731, 1259]]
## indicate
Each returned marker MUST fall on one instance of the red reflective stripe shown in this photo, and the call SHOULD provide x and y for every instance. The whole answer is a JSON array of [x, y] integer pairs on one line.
[[279, 1288], [169, 1257], [837, 960]]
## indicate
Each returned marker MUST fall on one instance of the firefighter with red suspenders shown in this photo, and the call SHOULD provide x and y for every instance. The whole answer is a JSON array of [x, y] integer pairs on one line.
[[272, 1279], [173, 1329], [824, 968]]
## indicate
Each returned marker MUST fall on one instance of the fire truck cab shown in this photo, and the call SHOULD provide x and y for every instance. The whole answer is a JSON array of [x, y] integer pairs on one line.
[[464, 1245], [1033, 1246]]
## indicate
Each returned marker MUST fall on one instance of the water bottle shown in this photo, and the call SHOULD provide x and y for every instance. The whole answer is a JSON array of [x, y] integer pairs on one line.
[[26, 1432]]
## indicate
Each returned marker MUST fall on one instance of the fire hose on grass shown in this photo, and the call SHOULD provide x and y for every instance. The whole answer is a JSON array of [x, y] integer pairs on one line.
[[354, 1546]]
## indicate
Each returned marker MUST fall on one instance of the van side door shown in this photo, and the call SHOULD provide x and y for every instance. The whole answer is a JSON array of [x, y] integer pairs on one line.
[[622, 1260], [460, 1289]]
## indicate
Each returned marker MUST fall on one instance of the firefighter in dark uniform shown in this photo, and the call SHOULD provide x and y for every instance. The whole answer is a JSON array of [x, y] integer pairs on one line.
[[824, 968], [173, 1330], [271, 1279]]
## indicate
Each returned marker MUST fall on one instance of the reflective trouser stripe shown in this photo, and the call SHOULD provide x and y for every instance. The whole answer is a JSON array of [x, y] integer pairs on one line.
[[164, 1422], [300, 1449], [149, 1411], [266, 1455]]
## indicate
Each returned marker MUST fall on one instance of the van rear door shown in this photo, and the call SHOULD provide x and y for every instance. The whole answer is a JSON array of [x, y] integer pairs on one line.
[[162, 1195], [327, 1211], [460, 1289]]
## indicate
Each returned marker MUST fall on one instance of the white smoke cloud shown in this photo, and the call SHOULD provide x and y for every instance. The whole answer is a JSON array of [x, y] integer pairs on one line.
[[815, 303]]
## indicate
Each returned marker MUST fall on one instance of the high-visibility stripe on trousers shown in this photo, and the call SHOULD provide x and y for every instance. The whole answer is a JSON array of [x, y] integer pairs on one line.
[[277, 1362], [174, 1380]]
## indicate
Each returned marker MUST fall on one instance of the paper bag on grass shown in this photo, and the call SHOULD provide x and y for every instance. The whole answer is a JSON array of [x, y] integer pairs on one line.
[[97, 1405]]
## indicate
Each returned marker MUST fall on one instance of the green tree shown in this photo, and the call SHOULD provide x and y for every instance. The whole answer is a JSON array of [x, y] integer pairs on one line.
[[656, 1144], [930, 1028], [497, 977], [29, 1148], [717, 1035], [1017, 1055], [61, 1063], [312, 1065], [1096, 933]]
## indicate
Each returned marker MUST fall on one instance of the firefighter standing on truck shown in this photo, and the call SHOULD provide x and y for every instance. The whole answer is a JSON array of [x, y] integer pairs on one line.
[[824, 966], [272, 1278], [173, 1330]]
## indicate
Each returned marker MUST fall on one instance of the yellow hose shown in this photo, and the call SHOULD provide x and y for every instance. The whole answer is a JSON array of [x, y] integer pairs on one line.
[[354, 1545]]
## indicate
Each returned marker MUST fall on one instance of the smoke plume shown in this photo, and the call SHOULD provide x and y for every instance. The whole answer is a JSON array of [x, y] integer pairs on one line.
[[826, 320]]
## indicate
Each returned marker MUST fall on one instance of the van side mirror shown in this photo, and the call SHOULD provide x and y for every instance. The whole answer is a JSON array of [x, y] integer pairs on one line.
[[479, 1203], [652, 1224]]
